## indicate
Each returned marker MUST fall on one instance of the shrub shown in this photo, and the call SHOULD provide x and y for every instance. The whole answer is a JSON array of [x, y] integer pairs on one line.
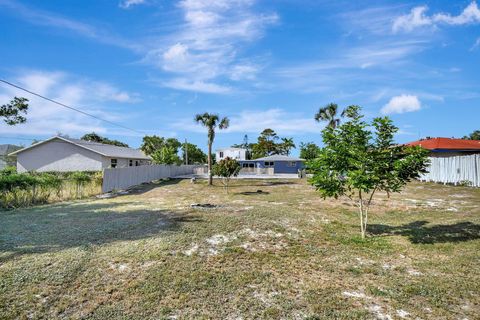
[[225, 169], [80, 179], [25, 189]]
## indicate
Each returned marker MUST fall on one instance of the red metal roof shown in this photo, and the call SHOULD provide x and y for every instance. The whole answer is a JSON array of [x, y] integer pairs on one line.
[[447, 144]]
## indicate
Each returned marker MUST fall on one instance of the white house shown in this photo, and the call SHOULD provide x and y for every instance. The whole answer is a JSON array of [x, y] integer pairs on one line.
[[67, 154], [454, 161], [234, 153]]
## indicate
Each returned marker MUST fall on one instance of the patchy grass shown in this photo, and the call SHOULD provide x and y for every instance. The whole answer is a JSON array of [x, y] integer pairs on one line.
[[281, 254]]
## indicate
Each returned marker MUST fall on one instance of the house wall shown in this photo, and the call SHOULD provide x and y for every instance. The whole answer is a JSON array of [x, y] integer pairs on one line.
[[278, 166], [282, 167], [57, 155], [122, 162], [453, 168], [231, 153]]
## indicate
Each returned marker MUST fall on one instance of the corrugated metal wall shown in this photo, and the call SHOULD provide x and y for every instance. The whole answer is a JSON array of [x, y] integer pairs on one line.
[[454, 169], [123, 178]]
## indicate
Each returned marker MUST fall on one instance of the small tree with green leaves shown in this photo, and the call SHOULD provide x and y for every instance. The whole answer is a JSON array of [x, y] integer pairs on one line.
[[166, 155], [357, 162], [226, 169], [12, 111]]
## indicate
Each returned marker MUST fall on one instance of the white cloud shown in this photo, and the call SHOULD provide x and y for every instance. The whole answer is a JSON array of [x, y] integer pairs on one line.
[[475, 45], [125, 4], [401, 104], [254, 121], [195, 86], [471, 14], [205, 47], [46, 118], [417, 18], [49, 19], [243, 72]]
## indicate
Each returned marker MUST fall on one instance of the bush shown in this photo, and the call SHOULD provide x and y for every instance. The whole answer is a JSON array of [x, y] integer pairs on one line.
[[26, 189], [226, 169]]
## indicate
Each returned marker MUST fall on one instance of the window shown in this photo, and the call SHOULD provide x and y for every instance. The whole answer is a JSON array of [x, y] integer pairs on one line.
[[268, 164], [244, 165], [251, 165], [291, 164], [137, 163], [130, 163], [221, 154], [113, 163]]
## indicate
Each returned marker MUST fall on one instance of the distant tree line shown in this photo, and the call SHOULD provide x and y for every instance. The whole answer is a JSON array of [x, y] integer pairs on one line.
[[93, 137], [166, 150]]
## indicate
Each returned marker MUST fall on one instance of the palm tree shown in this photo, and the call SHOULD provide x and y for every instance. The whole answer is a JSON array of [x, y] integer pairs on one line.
[[211, 121], [328, 114], [286, 145]]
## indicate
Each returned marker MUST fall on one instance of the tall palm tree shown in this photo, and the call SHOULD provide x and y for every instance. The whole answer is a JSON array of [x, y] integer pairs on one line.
[[328, 114], [286, 145], [211, 121]]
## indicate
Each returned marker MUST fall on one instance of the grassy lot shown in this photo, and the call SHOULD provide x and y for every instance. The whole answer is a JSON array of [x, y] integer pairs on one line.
[[280, 254]]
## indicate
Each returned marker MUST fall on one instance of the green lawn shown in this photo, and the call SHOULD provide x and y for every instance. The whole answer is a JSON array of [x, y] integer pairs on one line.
[[281, 254]]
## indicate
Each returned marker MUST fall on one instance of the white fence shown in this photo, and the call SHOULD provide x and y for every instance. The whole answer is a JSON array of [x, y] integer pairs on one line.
[[454, 169], [123, 178]]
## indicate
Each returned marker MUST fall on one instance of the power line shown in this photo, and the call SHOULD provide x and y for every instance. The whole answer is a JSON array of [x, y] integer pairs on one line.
[[68, 107]]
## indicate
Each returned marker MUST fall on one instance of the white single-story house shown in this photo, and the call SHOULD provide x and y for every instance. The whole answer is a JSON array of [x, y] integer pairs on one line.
[[67, 154], [233, 153], [455, 161]]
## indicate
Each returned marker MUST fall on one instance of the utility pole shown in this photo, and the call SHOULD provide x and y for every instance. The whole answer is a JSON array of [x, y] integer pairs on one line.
[[186, 151]]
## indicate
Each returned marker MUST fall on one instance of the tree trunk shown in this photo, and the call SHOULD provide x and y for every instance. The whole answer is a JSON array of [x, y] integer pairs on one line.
[[361, 209], [210, 177]]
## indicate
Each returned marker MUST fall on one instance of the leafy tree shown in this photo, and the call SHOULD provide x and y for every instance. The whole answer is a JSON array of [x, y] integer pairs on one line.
[[357, 163], [226, 169], [475, 135], [150, 144], [309, 150], [12, 111], [328, 114], [93, 137], [156, 147], [211, 122], [195, 154], [166, 155], [286, 145], [266, 144]]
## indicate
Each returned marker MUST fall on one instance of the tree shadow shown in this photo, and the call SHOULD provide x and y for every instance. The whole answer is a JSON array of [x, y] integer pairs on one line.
[[253, 193], [57, 227], [148, 186], [419, 232]]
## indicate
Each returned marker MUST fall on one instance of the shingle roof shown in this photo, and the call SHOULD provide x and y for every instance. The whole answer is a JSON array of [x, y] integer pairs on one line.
[[447, 144], [103, 149], [278, 157]]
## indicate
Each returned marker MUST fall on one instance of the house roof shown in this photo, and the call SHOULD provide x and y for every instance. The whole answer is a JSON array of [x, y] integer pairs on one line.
[[278, 157], [447, 144], [106, 150]]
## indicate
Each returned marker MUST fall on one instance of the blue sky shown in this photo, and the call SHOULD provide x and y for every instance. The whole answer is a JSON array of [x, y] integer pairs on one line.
[[153, 64]]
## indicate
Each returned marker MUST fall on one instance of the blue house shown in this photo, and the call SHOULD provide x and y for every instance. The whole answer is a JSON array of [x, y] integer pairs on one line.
[[272, 165]]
